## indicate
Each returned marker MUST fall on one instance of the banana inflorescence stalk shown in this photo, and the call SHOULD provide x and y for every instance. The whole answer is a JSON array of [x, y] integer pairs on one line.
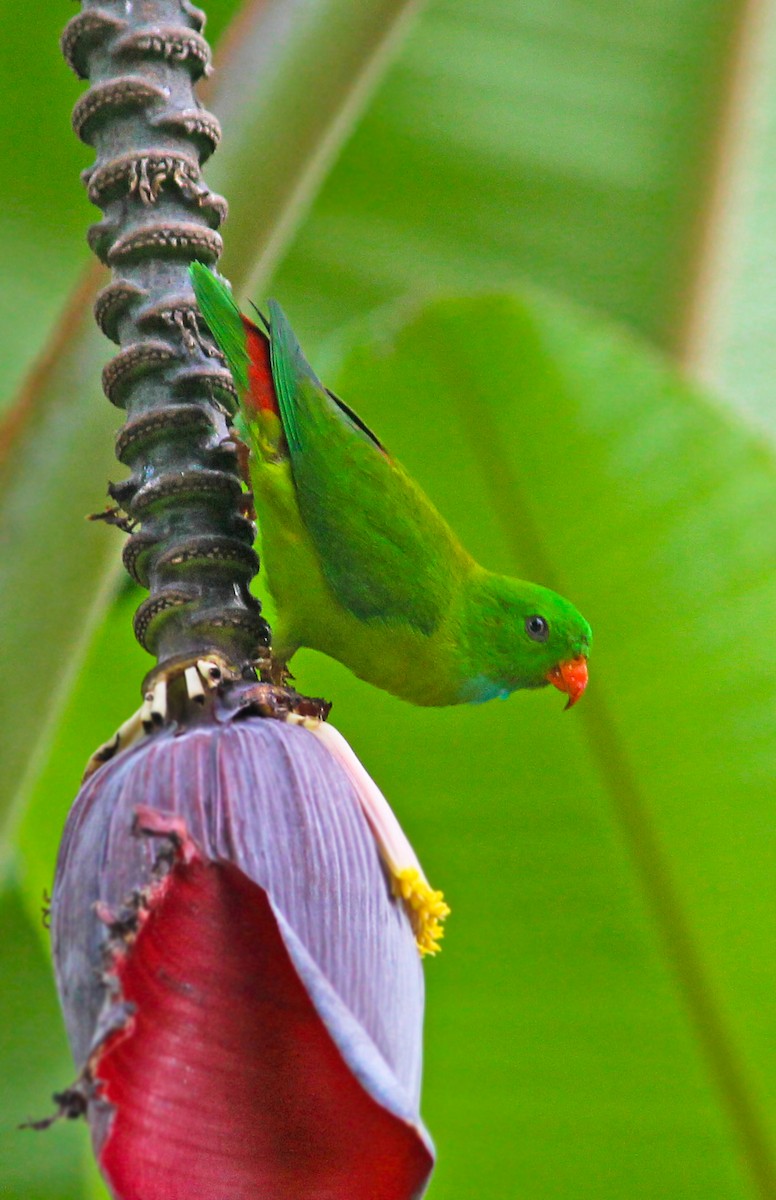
[[191, 540]]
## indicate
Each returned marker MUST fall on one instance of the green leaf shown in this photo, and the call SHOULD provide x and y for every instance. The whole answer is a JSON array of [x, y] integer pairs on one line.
[[295, 89], [34, 1063], [575, 144], [600, 1019], [45, 211], [103, 694]]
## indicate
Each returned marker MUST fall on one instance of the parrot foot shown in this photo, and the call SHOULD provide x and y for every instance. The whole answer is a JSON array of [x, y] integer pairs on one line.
[[272, 670], [283, 703]]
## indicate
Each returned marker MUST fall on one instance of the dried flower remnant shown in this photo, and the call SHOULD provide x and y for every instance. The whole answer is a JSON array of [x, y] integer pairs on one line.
[[241, 987]]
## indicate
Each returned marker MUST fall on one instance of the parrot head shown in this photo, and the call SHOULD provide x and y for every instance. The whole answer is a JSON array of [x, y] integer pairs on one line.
[[526, 636]]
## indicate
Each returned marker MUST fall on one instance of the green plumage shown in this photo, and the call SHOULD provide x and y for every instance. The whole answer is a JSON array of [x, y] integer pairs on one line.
[[358, 560]]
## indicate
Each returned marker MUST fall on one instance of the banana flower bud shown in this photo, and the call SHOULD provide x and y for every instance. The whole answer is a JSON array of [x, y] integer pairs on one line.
[[241, 983]]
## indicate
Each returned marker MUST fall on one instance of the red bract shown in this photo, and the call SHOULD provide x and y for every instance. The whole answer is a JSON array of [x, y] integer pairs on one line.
[[242, 991]]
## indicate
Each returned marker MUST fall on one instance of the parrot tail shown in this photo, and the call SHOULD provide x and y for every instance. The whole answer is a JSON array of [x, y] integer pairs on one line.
[[244, 346]]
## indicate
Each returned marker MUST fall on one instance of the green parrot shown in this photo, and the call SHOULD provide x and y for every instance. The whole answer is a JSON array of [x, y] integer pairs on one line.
[[359, 562]]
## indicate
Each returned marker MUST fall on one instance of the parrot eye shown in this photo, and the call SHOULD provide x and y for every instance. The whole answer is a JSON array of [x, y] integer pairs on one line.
[[537, 628]]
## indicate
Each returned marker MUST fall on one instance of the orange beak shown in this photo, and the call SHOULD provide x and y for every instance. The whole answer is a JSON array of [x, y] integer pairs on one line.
[[570, 677]]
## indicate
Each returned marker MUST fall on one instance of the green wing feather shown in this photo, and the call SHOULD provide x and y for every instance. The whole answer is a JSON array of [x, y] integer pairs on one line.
[[223, 318], [385, 551], [289, 368]]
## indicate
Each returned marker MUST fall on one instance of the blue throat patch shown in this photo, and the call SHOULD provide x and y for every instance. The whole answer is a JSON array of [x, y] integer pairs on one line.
[[481, 689]]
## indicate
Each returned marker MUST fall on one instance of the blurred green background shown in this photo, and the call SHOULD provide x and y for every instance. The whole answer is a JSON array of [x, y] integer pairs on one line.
[[587, 185]]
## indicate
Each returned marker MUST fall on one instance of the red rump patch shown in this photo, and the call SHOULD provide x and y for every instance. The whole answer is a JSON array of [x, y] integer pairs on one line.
[[225, 1082], [262, 390]]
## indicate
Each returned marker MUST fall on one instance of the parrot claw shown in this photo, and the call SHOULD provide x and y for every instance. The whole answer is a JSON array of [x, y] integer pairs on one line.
[[272, 670]]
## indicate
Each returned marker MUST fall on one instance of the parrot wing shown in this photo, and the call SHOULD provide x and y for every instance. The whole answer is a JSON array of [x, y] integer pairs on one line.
[[244, 346], [385, 551], [224, 320]]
